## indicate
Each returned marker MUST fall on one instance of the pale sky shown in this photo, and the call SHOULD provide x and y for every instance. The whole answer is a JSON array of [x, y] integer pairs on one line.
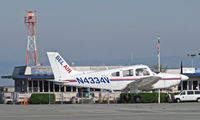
[[86, 30]]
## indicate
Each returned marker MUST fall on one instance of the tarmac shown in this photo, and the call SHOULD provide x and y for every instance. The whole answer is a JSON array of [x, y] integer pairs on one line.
[[174, 111]]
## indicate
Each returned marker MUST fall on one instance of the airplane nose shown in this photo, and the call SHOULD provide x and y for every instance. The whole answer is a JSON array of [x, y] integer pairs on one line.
[[184, 77]]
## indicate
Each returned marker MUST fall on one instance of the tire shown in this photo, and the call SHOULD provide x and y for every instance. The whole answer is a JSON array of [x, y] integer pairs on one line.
[[127, 97], [73, 100], [178, 100], [168, 100], [137, 99], [198, 100]]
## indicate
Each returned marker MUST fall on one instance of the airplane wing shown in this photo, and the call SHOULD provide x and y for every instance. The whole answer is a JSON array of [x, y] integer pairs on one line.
[[142, 83]]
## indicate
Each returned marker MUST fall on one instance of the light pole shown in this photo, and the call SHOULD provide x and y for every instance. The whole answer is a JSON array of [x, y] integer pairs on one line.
[[158, 47], [192, 56], [158, 50]]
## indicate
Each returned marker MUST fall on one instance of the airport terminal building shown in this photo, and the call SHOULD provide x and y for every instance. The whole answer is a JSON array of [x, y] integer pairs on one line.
[[38, 79]]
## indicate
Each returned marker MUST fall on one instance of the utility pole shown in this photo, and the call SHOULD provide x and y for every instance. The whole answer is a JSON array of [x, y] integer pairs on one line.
[[131, 58], [158, 48], [192, 56]]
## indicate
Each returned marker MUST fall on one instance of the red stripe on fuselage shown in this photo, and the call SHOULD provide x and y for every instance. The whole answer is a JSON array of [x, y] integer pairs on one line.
[[69, 80], [130, 79]]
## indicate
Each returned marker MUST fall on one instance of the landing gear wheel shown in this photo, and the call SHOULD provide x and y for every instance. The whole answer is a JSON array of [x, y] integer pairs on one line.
[[127, 97], [168, 99], [137, 99]]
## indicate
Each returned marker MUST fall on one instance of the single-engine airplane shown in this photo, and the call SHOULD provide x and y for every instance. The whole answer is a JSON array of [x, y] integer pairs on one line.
[[130, 78]]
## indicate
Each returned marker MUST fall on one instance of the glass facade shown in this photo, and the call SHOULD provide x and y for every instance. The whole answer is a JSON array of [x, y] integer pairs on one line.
[[189, 85]]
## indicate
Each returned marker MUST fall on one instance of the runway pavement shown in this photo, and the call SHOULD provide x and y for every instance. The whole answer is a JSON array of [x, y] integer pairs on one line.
[[175, 111]]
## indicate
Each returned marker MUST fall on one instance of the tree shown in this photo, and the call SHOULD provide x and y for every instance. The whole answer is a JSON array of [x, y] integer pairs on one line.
[[155, 68]]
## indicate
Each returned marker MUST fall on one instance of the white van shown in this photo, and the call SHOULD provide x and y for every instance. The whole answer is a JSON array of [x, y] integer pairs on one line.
[[188, 95], [8, 98]]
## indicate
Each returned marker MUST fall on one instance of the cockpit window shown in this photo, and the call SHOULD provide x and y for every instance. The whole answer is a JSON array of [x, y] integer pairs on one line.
[[127, 73], [116, 74], [142, 72]]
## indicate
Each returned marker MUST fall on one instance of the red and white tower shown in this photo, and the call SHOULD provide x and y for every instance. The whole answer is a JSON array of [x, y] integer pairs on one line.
[[31, 54]]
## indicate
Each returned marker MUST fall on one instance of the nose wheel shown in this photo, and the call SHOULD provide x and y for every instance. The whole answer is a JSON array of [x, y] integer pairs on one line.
[[137, 99]]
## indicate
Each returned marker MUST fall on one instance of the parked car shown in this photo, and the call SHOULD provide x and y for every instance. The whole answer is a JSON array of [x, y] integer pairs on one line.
[[188, 95]]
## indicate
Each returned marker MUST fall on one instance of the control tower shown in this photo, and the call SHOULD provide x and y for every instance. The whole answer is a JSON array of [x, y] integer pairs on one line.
[[31, 53]]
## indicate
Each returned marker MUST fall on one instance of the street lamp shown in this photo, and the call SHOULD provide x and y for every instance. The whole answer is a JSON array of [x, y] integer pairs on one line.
[[192, 56]]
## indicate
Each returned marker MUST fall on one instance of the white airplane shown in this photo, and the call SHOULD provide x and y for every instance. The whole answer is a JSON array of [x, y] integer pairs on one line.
[[133, 78]]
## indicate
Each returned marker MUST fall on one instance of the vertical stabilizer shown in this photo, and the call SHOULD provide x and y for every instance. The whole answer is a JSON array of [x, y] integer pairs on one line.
[[59, 66]]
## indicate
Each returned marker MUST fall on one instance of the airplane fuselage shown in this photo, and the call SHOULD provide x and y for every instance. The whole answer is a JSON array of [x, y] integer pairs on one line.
[[105, 80]]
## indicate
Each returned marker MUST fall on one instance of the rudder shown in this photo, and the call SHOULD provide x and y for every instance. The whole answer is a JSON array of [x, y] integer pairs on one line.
[[59, 66]]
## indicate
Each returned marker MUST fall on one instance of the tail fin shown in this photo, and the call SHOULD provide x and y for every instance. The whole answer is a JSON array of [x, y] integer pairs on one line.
[[59, 66]]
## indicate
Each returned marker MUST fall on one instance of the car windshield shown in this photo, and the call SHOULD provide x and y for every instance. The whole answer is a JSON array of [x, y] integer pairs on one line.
[[182, 93], [8, 97]]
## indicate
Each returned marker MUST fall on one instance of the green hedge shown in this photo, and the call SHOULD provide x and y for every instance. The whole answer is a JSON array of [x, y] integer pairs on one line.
[[37, 98], [145, 97]]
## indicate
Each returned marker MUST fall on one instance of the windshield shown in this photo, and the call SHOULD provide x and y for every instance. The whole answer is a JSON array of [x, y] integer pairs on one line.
[[182, 93], [142, 72]]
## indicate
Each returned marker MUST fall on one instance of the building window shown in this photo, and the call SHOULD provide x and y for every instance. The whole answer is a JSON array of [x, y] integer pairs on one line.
[[199, 86], [51, 86], [180, 86], [74, 89], [195, 85], [56, 88], [68, 88], [184, 85], [62, 88], [40, 86], [46, 86]]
